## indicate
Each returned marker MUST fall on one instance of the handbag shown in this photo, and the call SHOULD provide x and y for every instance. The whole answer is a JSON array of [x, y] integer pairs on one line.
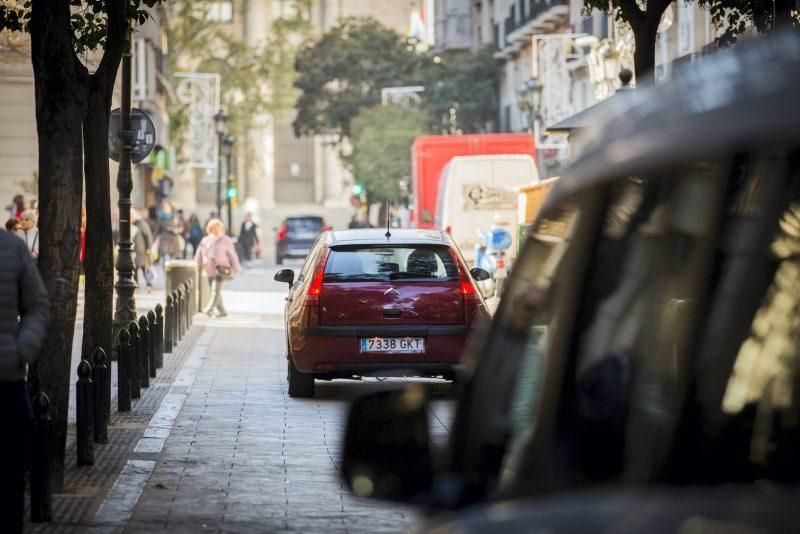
[[225, 273]]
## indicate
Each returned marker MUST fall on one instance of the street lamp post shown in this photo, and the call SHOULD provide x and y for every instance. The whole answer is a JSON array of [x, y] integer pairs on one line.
[[221, 123], [125, 306], [227, 151]]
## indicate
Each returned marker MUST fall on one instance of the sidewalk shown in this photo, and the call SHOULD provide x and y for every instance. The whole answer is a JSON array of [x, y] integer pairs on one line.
[[241, 456], [86, 487]]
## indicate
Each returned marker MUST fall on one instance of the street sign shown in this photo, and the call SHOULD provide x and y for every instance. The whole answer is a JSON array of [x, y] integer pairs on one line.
[[144, 135]]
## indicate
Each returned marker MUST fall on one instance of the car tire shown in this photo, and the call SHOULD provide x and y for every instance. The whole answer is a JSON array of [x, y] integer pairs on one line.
[[301, 385]]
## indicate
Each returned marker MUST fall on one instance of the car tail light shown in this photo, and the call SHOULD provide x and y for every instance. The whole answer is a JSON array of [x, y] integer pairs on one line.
[[500, 263], [282, 231], [448, 230], [315, 292]]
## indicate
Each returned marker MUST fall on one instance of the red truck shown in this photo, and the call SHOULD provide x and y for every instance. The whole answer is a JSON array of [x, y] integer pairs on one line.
[[430, 153]]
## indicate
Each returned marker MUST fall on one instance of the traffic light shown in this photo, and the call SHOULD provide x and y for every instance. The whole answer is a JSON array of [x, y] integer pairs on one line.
[[358, 189], [233, 188]]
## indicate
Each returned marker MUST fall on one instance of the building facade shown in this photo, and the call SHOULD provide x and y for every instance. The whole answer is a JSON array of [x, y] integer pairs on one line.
[[556, 61]]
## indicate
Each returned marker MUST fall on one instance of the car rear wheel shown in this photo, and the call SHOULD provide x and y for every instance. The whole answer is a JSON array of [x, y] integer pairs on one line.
[[300, 384]]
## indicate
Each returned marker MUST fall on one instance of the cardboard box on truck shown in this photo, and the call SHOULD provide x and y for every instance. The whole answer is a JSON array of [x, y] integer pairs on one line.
[[430, 153]]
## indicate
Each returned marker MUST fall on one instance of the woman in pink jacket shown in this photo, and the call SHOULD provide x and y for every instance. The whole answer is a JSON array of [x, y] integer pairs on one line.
[[217, 259]]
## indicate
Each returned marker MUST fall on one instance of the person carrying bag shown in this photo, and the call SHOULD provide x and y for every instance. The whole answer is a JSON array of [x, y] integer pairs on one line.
[[217, 259]]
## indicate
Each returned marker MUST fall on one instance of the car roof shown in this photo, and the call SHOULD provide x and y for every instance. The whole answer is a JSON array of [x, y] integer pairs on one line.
[[295, 217], [377, 236], [735, 100]]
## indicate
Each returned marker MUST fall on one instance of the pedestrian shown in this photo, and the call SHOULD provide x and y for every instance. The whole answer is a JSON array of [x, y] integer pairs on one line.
[[17, 207], [152, 220], [142, 239], [12, 225], [211, 215], [195, 232], [170, 241], [29, 233], [24, 312], [184, 231], [248, 237], [217, 259]]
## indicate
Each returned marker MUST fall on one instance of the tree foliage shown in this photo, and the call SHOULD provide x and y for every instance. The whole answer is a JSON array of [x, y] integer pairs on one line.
[[461, 91], [381, 138], [730, 17], [88, 19], [344, 71]]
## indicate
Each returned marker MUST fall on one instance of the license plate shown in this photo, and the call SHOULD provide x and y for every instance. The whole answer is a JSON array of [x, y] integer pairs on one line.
[[401, 345]]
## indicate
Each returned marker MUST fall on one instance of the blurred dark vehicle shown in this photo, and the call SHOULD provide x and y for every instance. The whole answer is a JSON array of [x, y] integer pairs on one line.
[[296, 235], [642, 373]]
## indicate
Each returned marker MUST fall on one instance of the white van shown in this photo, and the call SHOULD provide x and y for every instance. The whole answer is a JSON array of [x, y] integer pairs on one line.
[[476, 192]]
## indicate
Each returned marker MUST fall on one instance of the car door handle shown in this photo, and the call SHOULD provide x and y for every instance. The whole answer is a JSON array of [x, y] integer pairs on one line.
[[392, 312]]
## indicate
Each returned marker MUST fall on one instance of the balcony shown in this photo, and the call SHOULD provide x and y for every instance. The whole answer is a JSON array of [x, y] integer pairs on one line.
[[542, 16]]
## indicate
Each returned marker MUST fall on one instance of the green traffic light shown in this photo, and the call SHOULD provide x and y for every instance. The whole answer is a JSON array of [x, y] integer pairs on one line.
[[358, 189], [233, 192]]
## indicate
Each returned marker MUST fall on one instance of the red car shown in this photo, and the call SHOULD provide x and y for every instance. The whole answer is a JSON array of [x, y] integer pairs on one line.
[[365, 303]]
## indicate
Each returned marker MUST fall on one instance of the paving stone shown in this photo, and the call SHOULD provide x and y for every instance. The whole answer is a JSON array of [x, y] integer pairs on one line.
[[244, 457]]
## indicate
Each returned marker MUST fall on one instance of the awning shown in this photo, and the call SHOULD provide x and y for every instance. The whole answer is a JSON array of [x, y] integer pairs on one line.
[[588, 116]]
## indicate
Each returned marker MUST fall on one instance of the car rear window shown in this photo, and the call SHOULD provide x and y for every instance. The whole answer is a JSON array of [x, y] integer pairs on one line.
[[406, 262], [304, 225]]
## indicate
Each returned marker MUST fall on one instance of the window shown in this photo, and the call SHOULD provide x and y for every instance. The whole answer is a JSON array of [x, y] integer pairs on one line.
[[220, 11], [409, 262]]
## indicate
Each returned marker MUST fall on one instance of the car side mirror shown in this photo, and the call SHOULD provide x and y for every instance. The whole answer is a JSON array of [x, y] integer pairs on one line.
[[387, 452], [479, 274], [285, 275]]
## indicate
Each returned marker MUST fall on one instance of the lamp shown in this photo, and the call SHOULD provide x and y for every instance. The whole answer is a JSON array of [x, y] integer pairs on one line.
[[221, 122]]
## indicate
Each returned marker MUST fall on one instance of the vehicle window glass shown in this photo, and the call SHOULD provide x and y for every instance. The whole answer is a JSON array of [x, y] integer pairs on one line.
[[637, 312], [424, 262], [304, 225], [509, 366], [761, 398]]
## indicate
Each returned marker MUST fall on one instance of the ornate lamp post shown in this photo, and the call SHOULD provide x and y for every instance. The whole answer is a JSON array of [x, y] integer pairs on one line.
[[227, 151], [125, 306], [221, 124]]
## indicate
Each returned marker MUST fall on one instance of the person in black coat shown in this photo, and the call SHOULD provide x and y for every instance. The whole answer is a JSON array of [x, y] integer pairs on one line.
[[24, 311], [248, 237]]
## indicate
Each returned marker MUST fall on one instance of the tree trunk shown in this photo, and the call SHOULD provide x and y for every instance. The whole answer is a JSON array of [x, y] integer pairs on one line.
[[98, 263], [644, 56], [60, 105]]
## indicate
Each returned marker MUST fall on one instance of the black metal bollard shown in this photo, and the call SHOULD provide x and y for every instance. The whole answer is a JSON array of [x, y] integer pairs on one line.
[[133, 354], [123, 372], [99, 378], [168, 315], [179, 315], [144, 358], [159, 336], [152, 344], [41, 490], [190, 304], [176, 310], [84, 407], [181, 312]]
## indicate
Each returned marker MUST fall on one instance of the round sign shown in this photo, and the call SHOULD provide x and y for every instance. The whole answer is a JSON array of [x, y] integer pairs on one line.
[[144, 135]]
